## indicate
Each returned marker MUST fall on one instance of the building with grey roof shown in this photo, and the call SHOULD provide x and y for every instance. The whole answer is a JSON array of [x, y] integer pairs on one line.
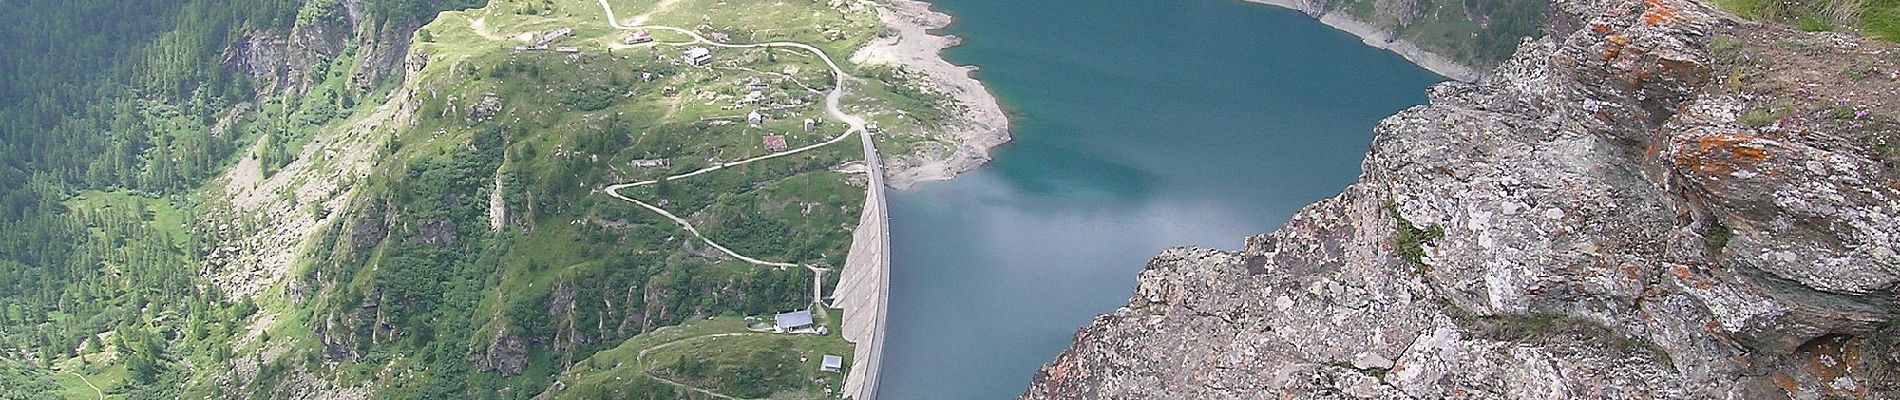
[[792, 321], [831, 363]]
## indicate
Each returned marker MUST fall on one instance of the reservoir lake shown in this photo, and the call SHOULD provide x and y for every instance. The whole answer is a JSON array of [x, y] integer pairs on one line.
[[1138, 125]]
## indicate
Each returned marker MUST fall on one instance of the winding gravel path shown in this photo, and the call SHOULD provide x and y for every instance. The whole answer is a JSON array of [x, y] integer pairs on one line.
[[855, 124], [865, 284]]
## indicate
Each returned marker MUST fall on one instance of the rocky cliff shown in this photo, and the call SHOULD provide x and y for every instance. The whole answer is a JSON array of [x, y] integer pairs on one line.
[[1656, 200]]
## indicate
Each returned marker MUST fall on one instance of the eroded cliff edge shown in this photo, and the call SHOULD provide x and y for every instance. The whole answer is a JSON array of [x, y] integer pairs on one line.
[[1654, 201]]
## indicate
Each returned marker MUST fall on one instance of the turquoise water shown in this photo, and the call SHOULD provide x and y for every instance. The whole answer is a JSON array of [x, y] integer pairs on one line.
[[1139, 125]]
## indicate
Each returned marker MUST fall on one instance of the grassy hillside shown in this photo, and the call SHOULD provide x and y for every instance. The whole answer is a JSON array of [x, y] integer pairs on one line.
[[1876, 18], [719, 354], [479, 257]]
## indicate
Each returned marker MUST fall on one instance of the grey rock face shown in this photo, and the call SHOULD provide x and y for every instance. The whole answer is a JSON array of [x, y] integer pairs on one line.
[[1605, 219]]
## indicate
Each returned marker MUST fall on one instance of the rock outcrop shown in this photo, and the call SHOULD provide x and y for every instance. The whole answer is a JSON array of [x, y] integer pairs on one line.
[[1654, 201], [288, 61]]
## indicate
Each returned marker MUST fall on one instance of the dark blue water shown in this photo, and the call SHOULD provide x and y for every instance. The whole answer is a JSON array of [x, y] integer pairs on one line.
[[1139, 125]]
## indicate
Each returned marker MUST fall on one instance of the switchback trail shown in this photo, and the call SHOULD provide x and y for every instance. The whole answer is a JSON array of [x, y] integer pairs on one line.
[[864, 286]]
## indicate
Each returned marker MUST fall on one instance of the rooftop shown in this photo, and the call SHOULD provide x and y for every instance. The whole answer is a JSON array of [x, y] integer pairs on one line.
[[831, 363], [795, 319]]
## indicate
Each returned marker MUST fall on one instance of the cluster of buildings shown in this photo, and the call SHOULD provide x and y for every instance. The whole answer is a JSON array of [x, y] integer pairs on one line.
[[799, 322], [541, 42]]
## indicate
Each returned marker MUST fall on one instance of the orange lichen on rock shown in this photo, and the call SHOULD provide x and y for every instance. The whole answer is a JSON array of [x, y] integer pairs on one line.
[[1615, 45], [1720, 154], [1683, 274], [1736, 146], [1657, 13], [1828, 359], [1631, 272]]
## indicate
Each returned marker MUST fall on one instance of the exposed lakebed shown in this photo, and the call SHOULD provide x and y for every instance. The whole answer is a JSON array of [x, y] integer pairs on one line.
[[1138, 125]]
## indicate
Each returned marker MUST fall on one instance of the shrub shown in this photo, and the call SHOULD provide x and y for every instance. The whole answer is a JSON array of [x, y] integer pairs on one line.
[[1409, 242]]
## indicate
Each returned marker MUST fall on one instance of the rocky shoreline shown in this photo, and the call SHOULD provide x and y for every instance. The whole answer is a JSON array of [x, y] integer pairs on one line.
[[981, 124], [1383, 39]]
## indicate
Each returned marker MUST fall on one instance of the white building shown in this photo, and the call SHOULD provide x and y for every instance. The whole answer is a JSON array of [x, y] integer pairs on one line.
[[831, 363], [791, 321], [698, 56]]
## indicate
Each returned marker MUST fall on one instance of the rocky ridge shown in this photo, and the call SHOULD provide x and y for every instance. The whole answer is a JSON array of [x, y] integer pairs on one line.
[[1656, 200]]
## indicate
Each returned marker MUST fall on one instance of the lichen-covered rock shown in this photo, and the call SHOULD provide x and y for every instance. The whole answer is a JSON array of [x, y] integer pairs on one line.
[[1654, 201]]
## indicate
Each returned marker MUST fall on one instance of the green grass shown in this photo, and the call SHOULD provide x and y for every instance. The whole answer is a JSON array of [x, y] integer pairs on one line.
[[158, 215], [1876, 18], [1409, 241], [1545, 328], [1881, 19], [743, 364], [1763, 116]]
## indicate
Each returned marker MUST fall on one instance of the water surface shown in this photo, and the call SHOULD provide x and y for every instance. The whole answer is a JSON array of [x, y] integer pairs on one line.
[[1139, 125]]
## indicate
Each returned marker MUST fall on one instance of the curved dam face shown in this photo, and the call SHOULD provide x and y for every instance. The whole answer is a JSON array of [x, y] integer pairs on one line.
[[1138, 126]]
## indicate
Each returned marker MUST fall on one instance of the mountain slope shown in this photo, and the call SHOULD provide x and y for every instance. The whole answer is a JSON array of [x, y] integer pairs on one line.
[[339, 201]]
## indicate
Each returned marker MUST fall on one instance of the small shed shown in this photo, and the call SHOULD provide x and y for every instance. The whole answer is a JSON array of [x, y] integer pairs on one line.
[[755, 118], [831, 363], [792, 320]]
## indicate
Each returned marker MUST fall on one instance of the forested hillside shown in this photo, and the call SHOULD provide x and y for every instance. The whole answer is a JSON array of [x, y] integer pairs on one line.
[[111, 113]]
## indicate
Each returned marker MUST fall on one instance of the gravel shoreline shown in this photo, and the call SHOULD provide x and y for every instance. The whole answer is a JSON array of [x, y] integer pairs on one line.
[[1381, 39], [979, 127]]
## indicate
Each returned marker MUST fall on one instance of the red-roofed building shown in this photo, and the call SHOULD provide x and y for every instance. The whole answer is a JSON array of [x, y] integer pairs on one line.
[[775, 143], [639, 36]]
